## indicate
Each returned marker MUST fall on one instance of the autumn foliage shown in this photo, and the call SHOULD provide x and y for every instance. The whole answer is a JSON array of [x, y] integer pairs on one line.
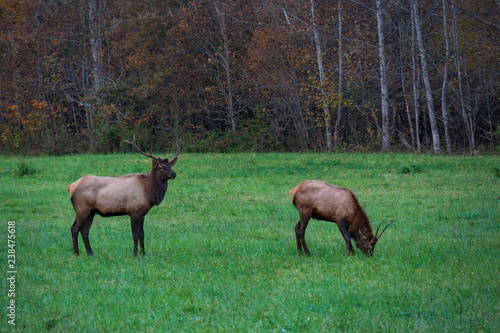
[[79, 76]]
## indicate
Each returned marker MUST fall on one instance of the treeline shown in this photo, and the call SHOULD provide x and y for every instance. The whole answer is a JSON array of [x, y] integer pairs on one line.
[[249, 75]]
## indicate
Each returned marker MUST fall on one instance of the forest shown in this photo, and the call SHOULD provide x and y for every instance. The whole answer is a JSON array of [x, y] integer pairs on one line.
[[81, 76]]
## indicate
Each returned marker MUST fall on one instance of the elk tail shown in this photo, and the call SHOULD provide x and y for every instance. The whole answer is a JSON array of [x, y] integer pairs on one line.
[[293, 191]]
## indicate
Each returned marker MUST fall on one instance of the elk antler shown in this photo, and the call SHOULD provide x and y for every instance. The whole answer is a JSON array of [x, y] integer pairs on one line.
[[133, 143], [178, 150], [376, 233], [387, 226]]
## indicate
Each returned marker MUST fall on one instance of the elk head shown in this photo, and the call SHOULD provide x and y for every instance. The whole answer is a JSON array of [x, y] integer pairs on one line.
[[366, 244], [162, 167]]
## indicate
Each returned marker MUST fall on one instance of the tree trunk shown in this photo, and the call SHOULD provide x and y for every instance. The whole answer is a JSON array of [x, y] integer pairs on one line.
[[226, 62], [403, 86], [467, 119], [336, 135], [444, 107], [427, 82], [319, 53], [96, 42], [415, 86], [386, 142]]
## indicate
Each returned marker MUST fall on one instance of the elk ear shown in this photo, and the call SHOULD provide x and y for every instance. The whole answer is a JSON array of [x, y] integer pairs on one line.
[[156, 162], [362, 234]]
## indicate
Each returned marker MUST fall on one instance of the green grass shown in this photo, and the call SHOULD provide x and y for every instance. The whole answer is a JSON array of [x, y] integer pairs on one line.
[[221, 252]]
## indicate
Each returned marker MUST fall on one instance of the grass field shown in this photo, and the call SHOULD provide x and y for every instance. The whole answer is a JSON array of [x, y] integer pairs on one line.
[[221, 252]]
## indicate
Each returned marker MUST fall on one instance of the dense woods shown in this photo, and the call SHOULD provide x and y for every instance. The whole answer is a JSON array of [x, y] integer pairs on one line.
[[260, 75]]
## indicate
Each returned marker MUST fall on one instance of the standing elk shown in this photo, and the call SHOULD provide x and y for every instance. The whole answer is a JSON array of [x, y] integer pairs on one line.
[[132, 195], [326, 202]]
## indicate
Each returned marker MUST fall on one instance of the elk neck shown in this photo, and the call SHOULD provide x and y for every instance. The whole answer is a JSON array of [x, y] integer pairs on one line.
[[362, 230], [156, 187]]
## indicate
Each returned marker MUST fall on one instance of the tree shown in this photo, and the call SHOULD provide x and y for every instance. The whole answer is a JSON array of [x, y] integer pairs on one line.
[[321, 74], [444, 104], [336, 134], [469, 126], [222, 54], [414, 65], [94, 12], [386, 142], [213, 25], [78, 76], [427, 82]]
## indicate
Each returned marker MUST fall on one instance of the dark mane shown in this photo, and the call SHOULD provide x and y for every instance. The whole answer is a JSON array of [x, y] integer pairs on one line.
[[158, 193]]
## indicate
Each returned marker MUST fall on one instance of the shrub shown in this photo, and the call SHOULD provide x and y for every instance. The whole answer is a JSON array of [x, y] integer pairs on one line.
[[496, 171], [415, 168], [24, 169]]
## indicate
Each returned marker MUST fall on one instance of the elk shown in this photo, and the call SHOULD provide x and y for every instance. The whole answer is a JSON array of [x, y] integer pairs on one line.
[[132, 194], [326, 202]]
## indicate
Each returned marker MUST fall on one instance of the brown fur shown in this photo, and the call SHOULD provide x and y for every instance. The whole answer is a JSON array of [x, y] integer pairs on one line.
[[323, 201], [132, 195]]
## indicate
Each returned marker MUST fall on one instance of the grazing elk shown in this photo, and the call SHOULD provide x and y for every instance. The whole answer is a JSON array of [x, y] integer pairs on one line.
[[323, 201], [132, 195]]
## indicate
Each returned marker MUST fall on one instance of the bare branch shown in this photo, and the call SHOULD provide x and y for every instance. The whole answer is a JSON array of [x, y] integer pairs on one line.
[[476, 17]]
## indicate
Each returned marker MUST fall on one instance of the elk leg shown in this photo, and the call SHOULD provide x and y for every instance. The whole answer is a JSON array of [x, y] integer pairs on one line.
[[136, 224], [75, 230], [345, 232], [85, 233], [141, 235], [300, 231], [297, 232]]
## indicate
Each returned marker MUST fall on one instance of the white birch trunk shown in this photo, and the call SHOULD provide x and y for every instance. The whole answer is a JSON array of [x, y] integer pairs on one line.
[[415, 86], [427, 82], [336, 135], [444, 107], [96, 43], [386, 142]]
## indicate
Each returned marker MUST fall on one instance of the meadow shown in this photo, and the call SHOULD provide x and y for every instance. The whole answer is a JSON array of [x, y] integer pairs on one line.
[[221, 252]]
